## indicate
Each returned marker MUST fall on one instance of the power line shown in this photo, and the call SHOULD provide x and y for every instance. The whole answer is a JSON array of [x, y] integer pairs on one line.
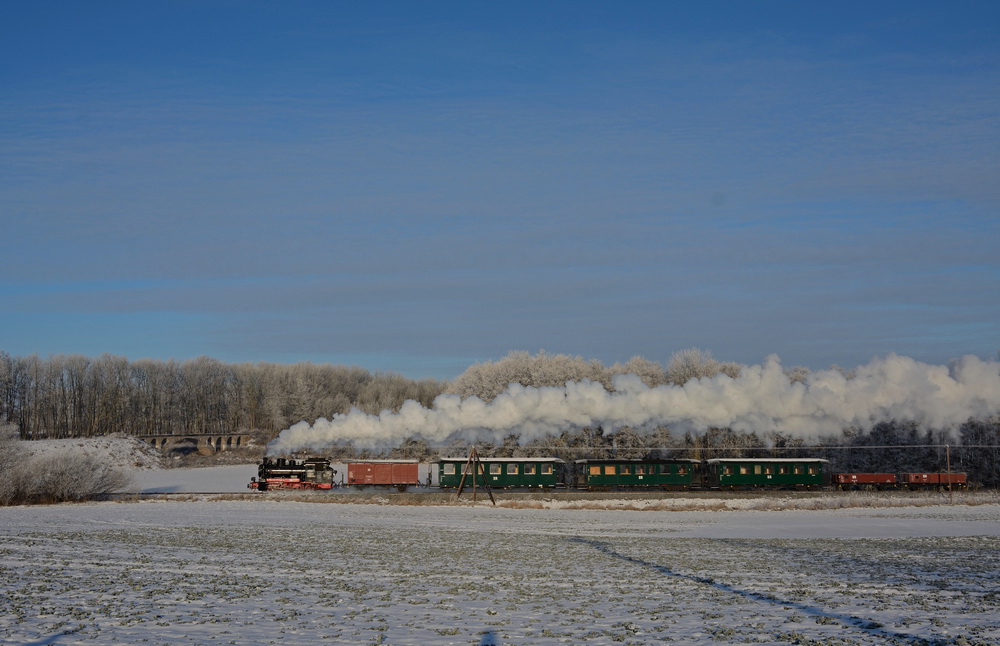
[[765, 448]]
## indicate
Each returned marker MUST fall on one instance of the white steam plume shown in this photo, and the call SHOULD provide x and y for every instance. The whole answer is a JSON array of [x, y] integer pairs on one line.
[[761, 399]]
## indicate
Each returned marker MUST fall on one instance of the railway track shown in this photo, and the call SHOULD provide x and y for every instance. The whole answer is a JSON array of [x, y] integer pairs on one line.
[[425, 496]]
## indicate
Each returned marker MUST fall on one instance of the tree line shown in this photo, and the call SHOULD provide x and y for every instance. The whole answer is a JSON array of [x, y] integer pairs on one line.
[[488, 379], [75, 396]]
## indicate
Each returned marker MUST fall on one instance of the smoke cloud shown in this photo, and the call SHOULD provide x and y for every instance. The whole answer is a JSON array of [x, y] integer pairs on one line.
[[761, 399]]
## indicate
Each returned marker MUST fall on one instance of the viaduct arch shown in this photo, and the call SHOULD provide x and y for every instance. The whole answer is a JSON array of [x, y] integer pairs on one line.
[[204, 443]]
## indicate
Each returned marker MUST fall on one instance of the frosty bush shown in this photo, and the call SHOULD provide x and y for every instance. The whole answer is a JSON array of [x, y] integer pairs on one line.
[[8, 440], [59, 477]]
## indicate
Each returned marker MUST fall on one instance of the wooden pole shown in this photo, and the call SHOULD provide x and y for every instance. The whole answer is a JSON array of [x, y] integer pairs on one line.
[[477, 467], [465, 474], [951, 484]]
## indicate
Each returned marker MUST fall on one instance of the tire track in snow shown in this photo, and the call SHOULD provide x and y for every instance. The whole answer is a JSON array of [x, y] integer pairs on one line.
[[866, 626]]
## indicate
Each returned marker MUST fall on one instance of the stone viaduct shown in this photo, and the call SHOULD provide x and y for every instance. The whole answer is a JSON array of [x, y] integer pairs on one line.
[[206, 443]]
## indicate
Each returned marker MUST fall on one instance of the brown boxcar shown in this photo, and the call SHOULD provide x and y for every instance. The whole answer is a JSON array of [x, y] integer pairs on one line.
[[383, 473], [939, 480], [864, 480]]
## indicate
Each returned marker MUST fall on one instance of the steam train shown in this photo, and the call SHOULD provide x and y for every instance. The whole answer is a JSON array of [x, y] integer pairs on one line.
[[317, 473], [607, 474], [279, 473]]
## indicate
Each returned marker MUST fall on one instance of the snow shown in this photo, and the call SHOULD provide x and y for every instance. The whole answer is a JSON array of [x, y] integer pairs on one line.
[[688, 569], [224, 479], [264, 570], [124, 451]]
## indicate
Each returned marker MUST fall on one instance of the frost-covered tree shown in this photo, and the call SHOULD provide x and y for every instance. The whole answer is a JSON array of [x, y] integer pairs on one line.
[[630, 445], [662, 442], [412, 449], [848, 374], [650, 372], [731, 369], [692, 363], [8, 447], [797, 374], [979, 453], [74, 396], [695, 363], [488, 379]]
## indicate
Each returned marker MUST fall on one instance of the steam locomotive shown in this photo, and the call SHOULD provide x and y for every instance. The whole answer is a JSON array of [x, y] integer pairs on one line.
[[280, 473], [593, 474]]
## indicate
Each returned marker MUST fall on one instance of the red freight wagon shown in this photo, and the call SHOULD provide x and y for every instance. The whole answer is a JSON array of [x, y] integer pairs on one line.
[[864, 480], [384, 473], [916, 480]]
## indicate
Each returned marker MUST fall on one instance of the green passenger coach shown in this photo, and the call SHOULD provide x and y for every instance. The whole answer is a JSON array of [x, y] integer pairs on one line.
[[750, 473], [638, 474], [502, 473]]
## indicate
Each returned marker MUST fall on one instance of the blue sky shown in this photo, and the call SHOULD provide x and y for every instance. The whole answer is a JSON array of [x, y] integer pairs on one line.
[[414, 187]]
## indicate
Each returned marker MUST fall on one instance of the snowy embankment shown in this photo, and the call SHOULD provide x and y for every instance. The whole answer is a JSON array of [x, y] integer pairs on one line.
[[122, 451]]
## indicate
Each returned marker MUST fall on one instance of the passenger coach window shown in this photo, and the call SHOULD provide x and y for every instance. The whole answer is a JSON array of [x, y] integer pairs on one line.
[[812, 470], [595, 470], [626, 469], [449, 469], [529, 469], [512, 469], [798, 469], [495, 470], [756, 469], [609, 470], [783, 470], [546, 469], [744, 469], [727, 470]]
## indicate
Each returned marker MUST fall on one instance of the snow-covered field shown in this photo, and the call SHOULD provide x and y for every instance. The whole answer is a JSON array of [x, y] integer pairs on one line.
[[271, 571], [281, 569]]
